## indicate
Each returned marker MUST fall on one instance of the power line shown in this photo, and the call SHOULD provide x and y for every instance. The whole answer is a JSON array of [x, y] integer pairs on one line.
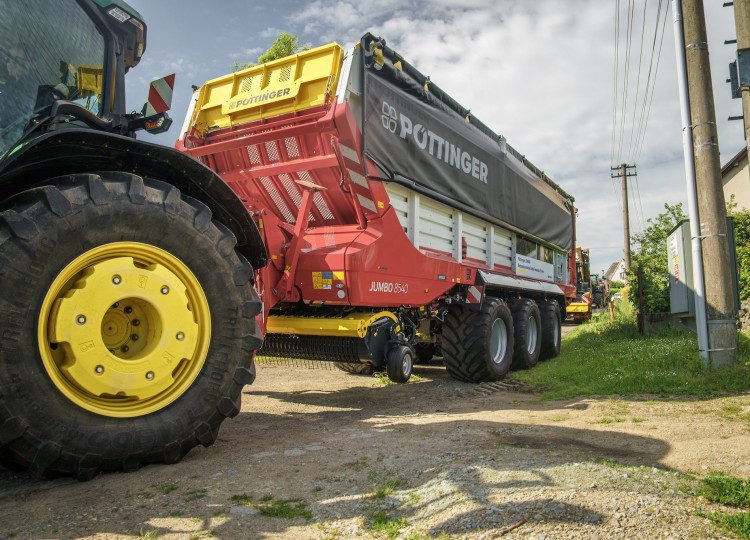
[[615, 88], [653, 86], [648, 80], [638, 80], [629, 41]]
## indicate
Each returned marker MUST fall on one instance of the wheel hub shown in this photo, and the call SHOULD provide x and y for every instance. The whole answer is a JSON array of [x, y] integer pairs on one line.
[[498, 340], [124, 329], [532, 332]]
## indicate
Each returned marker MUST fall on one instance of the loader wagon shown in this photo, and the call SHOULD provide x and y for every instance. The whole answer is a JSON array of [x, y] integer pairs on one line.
[[397, 225]]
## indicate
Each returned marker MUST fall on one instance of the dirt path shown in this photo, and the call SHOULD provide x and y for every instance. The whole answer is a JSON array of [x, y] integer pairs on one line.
[[355, 458]]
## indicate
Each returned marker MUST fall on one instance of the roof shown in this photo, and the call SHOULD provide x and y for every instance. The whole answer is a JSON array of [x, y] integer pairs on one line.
[[735, 160], [611, 270]]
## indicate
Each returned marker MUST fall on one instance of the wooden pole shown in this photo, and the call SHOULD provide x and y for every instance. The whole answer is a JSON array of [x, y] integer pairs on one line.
[[721, 319]]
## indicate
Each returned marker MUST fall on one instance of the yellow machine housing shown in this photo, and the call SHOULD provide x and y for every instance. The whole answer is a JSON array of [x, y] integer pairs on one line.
[[283, 86]]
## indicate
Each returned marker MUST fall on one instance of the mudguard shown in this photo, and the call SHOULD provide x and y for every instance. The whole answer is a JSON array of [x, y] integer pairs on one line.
[[78, 150]]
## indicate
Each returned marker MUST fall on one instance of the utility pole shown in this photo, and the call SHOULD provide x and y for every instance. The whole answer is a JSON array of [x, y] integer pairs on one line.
[[742, 24], [721, 318], [623, 175]]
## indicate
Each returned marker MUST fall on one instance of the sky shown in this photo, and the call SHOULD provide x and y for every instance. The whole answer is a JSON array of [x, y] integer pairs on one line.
[[539, 72]]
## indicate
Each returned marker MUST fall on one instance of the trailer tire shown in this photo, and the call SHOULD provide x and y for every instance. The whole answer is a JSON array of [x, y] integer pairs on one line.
[[477, 346], [100, 256], [528, 335], [356, 368], [399, 363], [549, 312], [424, 352]]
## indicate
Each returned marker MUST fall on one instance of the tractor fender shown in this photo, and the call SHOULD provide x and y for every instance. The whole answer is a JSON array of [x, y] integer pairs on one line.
[[79, 150]]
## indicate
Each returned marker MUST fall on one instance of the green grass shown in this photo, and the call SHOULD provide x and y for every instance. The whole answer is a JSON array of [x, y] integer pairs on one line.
[[726, 490], [282, 508], [195, 494], [388, 488], [381, 523], [729, 491], [738, 523], [165, 487], [611, 358]]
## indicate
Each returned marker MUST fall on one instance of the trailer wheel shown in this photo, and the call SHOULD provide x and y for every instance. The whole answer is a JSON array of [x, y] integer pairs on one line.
[[423, 352], [477, 346], [356, 368], [129, 325], [528, 334], [549, 312], [399, 363]]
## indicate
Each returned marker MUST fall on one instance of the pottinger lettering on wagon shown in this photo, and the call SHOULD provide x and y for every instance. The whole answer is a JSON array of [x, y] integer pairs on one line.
[[260, 98], [432, 143]]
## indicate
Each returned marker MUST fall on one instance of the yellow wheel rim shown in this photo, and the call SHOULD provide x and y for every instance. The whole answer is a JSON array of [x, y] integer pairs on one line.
[[124, 329]]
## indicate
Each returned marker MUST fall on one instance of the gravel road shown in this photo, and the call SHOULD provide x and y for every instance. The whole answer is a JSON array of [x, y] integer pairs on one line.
[[342, 456]]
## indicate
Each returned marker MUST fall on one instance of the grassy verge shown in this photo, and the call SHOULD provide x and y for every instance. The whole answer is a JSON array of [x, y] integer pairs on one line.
[[610, 358], [728, 491]]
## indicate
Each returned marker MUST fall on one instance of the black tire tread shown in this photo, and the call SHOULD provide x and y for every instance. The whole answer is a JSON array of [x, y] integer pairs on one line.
[[549, 312], [522, 309], [463, 342], [54, 205]]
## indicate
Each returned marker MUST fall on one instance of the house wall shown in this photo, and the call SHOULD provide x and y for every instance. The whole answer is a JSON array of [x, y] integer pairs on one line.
[[736, 180]]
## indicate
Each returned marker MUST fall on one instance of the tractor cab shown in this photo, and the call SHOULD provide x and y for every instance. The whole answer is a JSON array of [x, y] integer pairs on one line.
[[62, 64]]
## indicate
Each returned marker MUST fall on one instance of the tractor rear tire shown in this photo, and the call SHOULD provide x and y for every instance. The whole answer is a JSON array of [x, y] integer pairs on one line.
[[477, 346], [528, 336], [128, 325], [549, 312]]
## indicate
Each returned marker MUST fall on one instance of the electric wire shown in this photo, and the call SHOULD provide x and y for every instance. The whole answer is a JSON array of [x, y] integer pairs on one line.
[[648, 79], [629, 42], [615, 88], [615, 94], [653, 86], [638, 79]]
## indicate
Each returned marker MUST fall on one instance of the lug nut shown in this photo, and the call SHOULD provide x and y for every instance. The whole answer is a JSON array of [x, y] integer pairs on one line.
[[124, 348], [116, 279], [165, 290], [180, 336], [99, 370], [128, 309], [81, 319], [136, 322], [150, 375], [134, 337]]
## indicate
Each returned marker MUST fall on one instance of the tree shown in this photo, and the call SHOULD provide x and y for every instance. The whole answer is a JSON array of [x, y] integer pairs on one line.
[[651, 256], [284, 45], [742, 240]]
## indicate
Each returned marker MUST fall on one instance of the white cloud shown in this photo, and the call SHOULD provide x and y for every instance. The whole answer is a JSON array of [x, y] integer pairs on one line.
[[542, 74]]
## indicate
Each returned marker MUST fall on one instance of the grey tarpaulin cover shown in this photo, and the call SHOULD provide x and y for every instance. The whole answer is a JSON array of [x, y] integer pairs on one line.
[[423, 140]]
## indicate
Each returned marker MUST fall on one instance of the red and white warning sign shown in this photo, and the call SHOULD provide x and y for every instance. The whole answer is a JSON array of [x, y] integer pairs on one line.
[[160, 95]]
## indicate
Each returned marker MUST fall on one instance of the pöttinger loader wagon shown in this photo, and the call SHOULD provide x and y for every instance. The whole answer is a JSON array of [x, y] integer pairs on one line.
[[396, 223]]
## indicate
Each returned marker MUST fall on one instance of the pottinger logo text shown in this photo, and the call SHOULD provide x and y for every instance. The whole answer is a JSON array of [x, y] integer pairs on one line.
[[432, 143]]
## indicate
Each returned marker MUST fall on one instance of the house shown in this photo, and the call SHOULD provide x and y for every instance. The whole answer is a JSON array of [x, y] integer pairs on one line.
[[735, 176], [616, 272]]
